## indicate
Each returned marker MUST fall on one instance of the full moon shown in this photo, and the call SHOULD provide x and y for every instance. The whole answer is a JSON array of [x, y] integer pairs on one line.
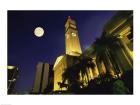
[[39, 31]]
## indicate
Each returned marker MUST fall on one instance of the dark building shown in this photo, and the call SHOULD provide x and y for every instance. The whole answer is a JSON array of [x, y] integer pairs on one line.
[[50, 86], [43, 78], [12, 78]]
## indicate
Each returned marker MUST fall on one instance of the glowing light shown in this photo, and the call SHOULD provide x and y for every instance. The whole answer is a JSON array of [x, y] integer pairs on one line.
[[10, 67], [39, 31]]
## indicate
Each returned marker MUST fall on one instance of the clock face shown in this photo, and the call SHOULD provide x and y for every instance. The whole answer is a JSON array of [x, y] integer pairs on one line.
[[73, 34]]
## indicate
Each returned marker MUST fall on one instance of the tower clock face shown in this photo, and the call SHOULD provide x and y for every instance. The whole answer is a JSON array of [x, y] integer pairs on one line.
[[73, 34]]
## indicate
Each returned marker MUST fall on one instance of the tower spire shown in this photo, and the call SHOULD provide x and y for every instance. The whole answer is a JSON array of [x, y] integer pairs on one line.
[[69, 17]]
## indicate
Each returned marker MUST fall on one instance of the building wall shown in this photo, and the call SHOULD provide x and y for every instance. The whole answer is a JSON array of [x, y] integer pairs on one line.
[[45, 77], [59, 68], [41, 77], [61, 64], [37, 77]]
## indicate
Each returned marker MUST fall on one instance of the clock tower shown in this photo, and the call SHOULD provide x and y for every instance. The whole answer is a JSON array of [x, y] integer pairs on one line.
[[71, 38]]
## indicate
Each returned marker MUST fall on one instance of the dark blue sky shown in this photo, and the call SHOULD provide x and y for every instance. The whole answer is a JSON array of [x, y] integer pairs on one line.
[[25, 50]]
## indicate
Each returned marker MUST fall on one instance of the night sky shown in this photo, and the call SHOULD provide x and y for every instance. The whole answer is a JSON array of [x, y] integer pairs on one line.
[[25, 50]]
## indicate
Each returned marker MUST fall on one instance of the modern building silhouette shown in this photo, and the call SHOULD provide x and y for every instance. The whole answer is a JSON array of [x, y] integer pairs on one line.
[[41, 78]]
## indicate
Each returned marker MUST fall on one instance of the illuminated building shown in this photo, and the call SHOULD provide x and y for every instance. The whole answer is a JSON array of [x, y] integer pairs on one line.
[[41, 78], [71, 38], [121, 27], [59, 67], [61, 64], [12, 78], [73, 49], [118, 56], [113, 55]]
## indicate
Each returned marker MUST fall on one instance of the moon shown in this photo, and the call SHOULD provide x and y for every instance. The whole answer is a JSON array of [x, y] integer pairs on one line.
[[39, 31]]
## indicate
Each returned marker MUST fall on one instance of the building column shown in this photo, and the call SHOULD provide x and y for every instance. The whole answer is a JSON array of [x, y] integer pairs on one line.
[[128, 55]]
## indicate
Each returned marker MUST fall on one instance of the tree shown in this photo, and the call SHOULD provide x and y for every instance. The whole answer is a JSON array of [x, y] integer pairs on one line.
[[72, 74], [103, 52]]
